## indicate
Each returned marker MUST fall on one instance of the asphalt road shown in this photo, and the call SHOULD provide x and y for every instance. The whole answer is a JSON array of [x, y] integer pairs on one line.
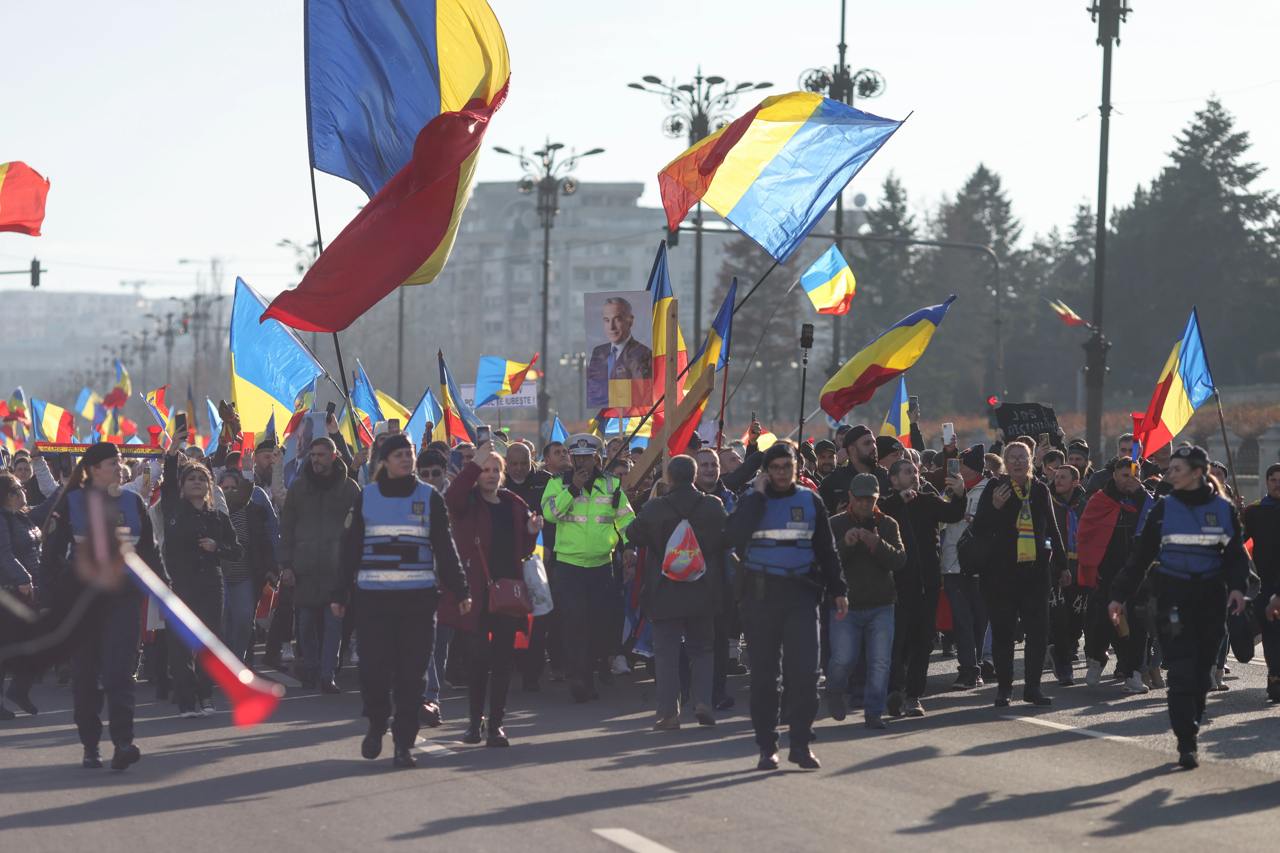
[[1094, 770]]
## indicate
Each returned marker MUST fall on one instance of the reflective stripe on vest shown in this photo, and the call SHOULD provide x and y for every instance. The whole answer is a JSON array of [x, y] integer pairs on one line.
[[1192, 538], [396, 553], [783, 545]]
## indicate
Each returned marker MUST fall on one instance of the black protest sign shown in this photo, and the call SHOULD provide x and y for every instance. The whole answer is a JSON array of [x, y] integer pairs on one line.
[[1031, 419]]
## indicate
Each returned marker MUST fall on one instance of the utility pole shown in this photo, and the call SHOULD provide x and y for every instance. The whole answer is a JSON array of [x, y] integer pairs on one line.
[[839, 84], [697, 106], [549, 177], [1109, 14]]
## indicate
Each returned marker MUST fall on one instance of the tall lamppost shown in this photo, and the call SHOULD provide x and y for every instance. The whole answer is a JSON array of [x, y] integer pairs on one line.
[[549, 178], [698, 108], [1109, 14], [840, 84]]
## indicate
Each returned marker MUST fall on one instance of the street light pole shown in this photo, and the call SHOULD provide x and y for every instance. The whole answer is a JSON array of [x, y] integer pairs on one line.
[[1109, 14], [696, 107], [839, 84], [549, 177]]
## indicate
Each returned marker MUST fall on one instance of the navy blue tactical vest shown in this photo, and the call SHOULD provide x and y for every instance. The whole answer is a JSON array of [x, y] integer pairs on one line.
[[397, 541], [1192, 538], [783, 545]]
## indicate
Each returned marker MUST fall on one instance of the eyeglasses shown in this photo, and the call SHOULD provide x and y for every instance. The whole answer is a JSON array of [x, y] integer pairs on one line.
[[431, 473]]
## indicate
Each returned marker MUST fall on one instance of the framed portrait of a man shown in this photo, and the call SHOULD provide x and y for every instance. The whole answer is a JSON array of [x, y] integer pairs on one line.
[[619, 326]]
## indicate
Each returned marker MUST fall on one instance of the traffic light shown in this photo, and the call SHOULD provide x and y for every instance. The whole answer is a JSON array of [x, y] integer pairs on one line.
[[993, 403], [35, 272]]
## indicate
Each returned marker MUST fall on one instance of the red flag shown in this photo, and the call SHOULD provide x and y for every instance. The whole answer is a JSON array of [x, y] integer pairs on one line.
[[22, 194]]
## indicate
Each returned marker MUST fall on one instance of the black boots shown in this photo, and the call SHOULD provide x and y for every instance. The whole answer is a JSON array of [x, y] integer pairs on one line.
[[403, 758], [125, 755], [371, 746]]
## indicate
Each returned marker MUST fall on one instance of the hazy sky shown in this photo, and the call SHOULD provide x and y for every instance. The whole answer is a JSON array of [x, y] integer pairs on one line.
[[175, 129]]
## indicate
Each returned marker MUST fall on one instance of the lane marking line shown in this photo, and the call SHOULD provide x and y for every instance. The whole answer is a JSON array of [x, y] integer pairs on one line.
[[432, 748], [1063, 727], [628, 840]]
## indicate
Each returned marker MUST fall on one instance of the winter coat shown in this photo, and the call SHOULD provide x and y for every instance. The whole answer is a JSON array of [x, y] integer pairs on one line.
[[918, 523], [661, 597], [20, 545], [471, 520], [189, 565], [312, 522], [870, 574], [1002, 525]]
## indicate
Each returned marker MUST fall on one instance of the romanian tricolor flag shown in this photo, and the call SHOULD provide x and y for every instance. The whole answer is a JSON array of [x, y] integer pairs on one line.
[[51, 423], [118, 396], [87, 404], [663, 361], [427, 412], [269, 365], [158, 404], [884, 359], [897, 422], [1184, 384], [775, 171], [1065, 314], [302, 404], [399, 96], [500, 377], [829, 282], [22, 195], [460, 423], [714, 355]]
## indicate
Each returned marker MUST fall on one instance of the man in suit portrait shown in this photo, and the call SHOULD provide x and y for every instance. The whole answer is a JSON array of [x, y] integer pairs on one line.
[[620, 357]]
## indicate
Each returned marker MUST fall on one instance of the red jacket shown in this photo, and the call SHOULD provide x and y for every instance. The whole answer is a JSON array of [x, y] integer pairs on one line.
[[469, 519]]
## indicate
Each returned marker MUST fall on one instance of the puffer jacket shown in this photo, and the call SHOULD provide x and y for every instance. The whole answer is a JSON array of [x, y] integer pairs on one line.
[[661, 597], [312, 523]]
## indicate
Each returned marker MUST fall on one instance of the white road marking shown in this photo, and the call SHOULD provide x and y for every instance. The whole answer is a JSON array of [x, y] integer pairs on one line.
[[632, 841], [432, 748], [1063, 727]]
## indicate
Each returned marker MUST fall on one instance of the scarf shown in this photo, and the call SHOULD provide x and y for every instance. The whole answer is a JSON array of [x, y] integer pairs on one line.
[[1026, 529]]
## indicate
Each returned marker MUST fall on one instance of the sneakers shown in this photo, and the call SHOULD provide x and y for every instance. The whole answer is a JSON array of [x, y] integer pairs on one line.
[[124, 756], [1135, 684], [988, 671], [191, 713], [1093, 676], [912, 707], [704, 715], [286, 654], [21, 699], [894, 704], [618, 665], [1215, 681], [874, 722], [206, 705], [836, 705], [1155, 678], [429, 715], [92, 758], [667, 724]]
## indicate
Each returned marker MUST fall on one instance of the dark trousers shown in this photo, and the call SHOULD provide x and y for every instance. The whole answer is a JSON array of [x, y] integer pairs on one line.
[[396, 631], [781, 624], [1270, 636], [191, 684], [103, 666], [280, 630], [727, 625], [968, 618], [1066, 623], [1100, 633], [914, 629], [492, 651], [546, 643], [1021, 593], [587, 601], [1190, 647]]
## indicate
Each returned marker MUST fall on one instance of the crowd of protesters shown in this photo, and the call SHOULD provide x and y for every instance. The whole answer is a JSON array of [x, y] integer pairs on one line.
[[833, 568]]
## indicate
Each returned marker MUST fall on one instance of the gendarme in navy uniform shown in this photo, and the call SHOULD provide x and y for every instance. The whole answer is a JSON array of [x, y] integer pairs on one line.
[[1192, 545], [790, 563], [397, 553]]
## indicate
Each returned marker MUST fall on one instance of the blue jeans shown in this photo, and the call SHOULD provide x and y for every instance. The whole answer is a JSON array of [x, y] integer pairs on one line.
[[238, 604], [320, 634], [439, 660], [871, 629]]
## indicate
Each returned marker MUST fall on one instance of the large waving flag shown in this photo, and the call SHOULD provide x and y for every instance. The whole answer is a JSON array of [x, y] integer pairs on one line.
[[22, 195], [897, 422], [460, 423], [884, 359], [663, 361], [775, 171], [714, 355], [1184, 384], [365, 400], [119, 395], [427, 411], [384, 78], [500, 377], [269, 365], [51, 423], [829, 282]]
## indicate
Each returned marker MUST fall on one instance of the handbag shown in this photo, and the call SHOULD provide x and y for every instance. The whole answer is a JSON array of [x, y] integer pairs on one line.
[[535, 580], [507, 596]]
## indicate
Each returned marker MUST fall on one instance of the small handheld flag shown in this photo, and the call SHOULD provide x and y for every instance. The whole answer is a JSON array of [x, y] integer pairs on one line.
[[830, 283], [558, 432], [897, 422]]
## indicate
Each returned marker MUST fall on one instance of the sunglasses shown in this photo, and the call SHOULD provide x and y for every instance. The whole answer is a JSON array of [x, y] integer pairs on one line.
[[431, 473]]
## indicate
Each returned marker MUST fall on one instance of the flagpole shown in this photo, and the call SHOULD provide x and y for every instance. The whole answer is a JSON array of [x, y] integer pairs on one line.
[[724, 392], [1217, 399]]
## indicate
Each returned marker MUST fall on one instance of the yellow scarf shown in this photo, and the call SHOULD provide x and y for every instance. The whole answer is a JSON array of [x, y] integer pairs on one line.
[[1026, 529]]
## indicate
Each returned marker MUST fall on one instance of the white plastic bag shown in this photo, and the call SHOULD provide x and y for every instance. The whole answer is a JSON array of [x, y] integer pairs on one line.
[[535, 580]]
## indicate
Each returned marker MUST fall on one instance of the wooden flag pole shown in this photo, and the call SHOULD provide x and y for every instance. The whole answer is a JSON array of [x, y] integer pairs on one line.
[[693, 398], [669, 390]]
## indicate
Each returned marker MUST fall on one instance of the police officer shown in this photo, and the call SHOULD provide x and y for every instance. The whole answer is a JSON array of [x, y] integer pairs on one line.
[[1193, 537], [790, 561], [105, 653], [589, 509], [397, 550]]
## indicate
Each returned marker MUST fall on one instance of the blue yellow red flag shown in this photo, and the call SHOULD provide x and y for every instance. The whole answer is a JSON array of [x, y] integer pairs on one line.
[[119, 394], [427, 412], [158, 405], [829, 282], [499, 377], [269, 365], [775, 171], [87, 404], [883, 360], [897, 422], [1184, 384], [365, 400], [50, 422], [714, 355], [460, 423]]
